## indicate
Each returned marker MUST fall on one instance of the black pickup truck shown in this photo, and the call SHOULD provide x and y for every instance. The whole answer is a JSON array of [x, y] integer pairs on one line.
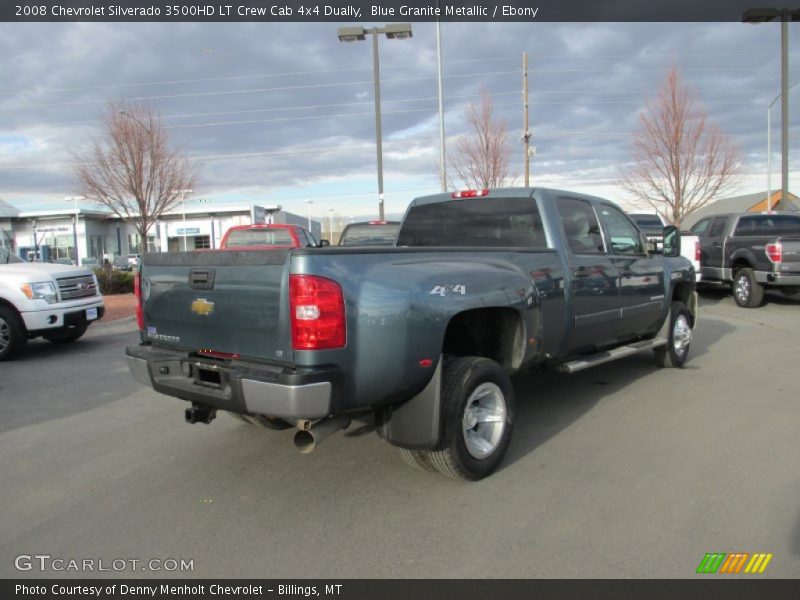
[[752, 252], [421, 337]]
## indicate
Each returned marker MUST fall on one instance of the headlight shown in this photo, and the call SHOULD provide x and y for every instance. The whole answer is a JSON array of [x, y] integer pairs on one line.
[[40, 291]]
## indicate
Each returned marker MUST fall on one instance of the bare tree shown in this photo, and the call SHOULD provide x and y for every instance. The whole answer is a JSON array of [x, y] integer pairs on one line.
[[681, 162], [481, 158], [132, 168]]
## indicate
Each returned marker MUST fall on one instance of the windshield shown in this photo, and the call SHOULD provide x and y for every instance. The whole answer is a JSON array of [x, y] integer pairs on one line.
[[6, 257], [258, 237], [366, 234]]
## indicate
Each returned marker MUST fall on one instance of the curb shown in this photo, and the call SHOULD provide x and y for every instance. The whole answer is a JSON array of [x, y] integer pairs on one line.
[[123, 325]]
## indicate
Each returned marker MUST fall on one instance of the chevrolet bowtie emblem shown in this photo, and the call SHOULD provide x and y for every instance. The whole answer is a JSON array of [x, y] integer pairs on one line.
[[202, 307]]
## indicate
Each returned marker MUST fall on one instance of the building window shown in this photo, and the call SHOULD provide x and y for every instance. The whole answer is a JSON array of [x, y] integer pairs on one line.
[[98, 246], [60, 247], [202, 242]]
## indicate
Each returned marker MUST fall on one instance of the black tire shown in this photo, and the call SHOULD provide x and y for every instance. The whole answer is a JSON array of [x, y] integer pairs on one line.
[[674, 354], [67, 336], [13, 335], [262, 421], [419, 459], [460, 387], [747, 292]]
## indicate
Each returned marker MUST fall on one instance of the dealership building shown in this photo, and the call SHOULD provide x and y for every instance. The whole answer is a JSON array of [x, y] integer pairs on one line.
[[91, 234]]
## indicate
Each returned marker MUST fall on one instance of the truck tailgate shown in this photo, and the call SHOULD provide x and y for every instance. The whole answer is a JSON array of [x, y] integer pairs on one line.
[[226, 302], [790, 255]]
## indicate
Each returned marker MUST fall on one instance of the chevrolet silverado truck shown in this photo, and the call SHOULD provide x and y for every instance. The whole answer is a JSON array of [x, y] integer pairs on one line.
[[752, 252], [53, 301], [419, 338]]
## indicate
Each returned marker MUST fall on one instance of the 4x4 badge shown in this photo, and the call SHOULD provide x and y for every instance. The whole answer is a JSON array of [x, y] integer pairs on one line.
[[202, 307]]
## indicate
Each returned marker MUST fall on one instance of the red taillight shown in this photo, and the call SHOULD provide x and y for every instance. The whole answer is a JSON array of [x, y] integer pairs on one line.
[[137, 292], [470, 193], [377, 222], [697, 253], [316, 305], [774, 252]]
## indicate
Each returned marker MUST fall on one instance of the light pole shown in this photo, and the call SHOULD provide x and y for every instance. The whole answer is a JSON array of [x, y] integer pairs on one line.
[[309, 202], [442, 160], [769, 147], [183, 194], [763, 15], [330, 223], [75, 224], [394, 31]]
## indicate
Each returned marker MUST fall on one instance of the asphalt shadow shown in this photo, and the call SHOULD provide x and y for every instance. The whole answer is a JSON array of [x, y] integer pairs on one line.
[[51, 381], [547, 402]]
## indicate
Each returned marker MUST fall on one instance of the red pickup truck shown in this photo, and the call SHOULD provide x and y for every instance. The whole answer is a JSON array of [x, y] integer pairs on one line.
[[260, 237]]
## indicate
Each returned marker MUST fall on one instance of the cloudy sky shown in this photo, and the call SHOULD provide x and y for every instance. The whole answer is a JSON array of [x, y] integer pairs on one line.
[[279, 113]]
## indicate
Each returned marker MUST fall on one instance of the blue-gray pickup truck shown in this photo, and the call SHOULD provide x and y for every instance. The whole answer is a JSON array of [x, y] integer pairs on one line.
[[419, 338]]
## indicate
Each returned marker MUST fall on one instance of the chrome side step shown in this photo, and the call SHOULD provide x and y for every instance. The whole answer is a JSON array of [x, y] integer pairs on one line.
[[593, 360]]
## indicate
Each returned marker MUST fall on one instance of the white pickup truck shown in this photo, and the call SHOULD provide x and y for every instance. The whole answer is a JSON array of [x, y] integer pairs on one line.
[[53, 301]]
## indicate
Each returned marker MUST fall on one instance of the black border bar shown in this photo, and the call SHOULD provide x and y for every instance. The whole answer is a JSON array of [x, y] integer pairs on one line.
[[733, 588], [521, 11]]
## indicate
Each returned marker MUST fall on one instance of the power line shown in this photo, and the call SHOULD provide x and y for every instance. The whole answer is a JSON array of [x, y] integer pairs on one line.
[[258, 90]]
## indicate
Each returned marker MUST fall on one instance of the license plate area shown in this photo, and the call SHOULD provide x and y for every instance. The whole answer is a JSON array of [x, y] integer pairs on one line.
[[91, 314], [208, 376]]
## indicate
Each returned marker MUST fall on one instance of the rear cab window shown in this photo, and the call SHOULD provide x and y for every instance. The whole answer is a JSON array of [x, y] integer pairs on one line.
[[475, 222], [768, 225]]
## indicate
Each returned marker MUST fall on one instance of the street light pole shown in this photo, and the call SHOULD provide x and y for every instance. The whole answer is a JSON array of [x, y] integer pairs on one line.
[[354, 34], [183, 194], [763, 15], [309, 202], [769, 147], [376, 79], [785, 108], [74, 224], [442, 156]]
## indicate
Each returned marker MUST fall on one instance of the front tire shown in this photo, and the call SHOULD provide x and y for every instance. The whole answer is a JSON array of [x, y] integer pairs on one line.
[[13, 336], [674, 354], [747, 292], [477, 419]]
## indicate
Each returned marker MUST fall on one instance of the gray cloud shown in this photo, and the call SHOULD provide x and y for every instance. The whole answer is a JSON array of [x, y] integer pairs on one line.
[[307, 98]]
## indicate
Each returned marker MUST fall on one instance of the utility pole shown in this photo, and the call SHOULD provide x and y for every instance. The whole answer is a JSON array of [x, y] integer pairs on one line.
[[526, 135]]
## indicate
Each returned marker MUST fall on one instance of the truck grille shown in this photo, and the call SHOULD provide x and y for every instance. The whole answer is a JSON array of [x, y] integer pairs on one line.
[[77, 287]]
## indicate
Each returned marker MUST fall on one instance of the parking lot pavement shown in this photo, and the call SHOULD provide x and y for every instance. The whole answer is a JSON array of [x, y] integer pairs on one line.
[[625, 470]]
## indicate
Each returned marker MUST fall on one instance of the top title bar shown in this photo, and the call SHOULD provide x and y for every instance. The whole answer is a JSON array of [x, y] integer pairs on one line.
[[376, 10]]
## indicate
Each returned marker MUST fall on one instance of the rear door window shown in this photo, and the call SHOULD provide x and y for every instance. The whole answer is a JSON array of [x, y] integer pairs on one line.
[[581, 228], [717, 226]]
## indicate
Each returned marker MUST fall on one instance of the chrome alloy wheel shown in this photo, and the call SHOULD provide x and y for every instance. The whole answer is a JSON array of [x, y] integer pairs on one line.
[[742, 289], [484, 420], [681, 335], [5, 335]]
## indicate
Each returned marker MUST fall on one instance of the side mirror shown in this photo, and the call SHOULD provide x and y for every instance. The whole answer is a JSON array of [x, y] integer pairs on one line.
[[324, 243], [672, 241]]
